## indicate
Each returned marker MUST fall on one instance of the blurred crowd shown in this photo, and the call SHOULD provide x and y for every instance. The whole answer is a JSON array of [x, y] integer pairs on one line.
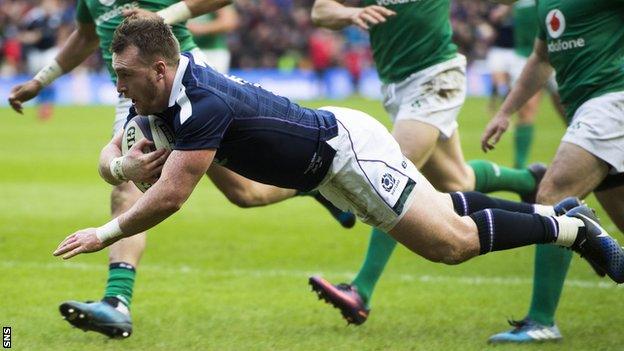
[[271, 34]]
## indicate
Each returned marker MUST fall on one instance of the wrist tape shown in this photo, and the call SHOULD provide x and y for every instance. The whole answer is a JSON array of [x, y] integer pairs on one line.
[[109, 231], [176, 13], [48, 73], [117, 170]]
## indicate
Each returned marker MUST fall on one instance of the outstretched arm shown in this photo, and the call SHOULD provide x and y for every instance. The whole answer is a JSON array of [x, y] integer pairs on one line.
[[182, 10], [534, 76], [82, 42], [226, 20], [199, 7], [333, 14], [180, 175]]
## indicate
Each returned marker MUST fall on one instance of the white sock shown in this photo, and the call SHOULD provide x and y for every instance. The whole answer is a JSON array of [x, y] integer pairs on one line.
[[544, 210], [121, 307], [568, 230]]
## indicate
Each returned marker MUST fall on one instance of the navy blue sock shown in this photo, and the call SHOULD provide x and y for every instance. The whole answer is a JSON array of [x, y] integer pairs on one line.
[[503, 230], [466, 203]]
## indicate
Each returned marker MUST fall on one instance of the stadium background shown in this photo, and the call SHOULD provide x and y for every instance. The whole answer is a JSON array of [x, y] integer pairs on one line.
[[215, 277], [275, 45]]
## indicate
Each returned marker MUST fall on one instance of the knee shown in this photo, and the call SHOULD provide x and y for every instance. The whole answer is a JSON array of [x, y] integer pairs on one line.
[[454, 254], [453, 251], [548, 192], [411, 154]]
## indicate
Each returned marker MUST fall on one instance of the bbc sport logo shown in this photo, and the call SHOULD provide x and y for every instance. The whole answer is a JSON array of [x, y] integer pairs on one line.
[[6, 337]]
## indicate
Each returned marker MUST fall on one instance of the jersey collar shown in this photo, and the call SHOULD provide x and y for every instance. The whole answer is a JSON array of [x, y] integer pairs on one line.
[[177, 80]]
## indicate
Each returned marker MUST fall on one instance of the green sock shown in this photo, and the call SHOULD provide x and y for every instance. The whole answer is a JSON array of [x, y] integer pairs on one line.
[[380, 249], [551, 266], [522, 144], [491, 177], [120, 282]]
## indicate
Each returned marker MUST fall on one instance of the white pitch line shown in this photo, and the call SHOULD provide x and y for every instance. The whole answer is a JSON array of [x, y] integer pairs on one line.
[[293, 273]]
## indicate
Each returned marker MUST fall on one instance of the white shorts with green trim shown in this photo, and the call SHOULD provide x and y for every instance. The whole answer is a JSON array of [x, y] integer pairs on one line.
[[369, 175], [433, 95], [598, 127]]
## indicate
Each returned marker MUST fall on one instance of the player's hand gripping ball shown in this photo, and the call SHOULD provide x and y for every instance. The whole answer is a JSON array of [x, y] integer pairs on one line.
[[151, 128]]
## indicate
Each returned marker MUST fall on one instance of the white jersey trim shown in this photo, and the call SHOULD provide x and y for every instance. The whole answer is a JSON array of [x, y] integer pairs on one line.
[[186, 109], [177, 86]]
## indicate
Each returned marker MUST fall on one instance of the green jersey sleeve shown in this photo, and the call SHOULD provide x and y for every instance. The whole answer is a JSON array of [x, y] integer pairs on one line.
[[82, 12]]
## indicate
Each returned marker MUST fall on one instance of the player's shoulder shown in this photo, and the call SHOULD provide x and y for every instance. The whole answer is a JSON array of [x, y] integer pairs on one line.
[[191, 96], [194, 80], [200, 75]]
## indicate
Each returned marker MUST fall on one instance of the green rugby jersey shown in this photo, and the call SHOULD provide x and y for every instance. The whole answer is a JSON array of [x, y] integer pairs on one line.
[[418, 37], [214, 41], [525, 26], [585, 43], [106, 14]]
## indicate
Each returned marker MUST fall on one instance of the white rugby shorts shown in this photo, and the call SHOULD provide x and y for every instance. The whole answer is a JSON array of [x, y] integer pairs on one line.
[[369, 175], [433, 95], [598, 127]]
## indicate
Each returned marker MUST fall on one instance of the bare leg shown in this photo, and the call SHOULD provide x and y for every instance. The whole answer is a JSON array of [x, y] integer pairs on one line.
[[245, 192], [446, 168], [573, 172], [612, 200], [128, 250], [433, 230], [417, 140]]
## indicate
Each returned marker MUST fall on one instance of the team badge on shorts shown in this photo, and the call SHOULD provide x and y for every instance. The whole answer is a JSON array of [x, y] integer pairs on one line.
[[388, 182]]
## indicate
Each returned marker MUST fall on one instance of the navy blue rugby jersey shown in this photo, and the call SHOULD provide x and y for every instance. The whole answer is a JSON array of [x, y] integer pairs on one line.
[[257, 134]]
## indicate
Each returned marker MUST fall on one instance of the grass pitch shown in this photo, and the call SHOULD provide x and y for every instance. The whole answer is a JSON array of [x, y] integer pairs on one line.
[[216, 277]]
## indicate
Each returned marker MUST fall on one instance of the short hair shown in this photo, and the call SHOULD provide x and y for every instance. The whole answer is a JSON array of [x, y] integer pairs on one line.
[[151, 36]]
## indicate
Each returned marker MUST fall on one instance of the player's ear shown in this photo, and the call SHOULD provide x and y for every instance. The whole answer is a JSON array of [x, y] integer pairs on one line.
[[160, 67]]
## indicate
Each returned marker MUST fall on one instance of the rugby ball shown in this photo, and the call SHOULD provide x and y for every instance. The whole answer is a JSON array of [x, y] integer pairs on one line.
[[154, 129]]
